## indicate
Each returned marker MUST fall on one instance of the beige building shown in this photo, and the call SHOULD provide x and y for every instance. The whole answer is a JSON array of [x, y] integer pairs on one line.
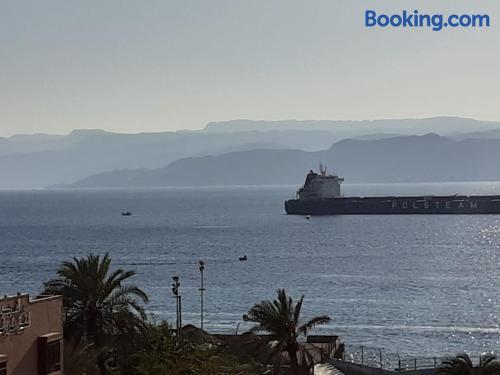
[[31, 335]]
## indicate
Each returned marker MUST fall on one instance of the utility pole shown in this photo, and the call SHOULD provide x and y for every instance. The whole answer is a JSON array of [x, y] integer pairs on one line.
[[177, 296], [201, 265]]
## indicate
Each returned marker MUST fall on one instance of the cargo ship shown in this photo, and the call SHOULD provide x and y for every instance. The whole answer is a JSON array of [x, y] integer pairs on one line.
[[321, 195]]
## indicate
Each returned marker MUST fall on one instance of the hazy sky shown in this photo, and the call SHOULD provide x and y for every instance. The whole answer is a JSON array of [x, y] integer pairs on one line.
[[136, 66]]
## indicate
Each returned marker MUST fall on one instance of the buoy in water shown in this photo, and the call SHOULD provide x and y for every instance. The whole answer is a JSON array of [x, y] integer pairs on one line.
[[308, 217], [243, 258]]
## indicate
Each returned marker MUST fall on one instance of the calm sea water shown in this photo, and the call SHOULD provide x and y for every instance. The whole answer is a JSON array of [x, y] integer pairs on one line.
[[419, 285]]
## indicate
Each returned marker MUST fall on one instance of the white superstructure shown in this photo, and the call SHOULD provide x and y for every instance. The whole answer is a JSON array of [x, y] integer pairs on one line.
[[320, 185]]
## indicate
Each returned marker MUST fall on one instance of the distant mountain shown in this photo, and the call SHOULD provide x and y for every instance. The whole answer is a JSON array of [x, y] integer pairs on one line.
[[32, 161], [28, 143], [401, 159], [38, 162], [351, 129], [21, 144], [487, 134], [370, 137]]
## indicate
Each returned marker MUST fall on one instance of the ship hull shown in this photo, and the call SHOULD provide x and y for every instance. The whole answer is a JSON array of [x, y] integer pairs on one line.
[[413, 205]]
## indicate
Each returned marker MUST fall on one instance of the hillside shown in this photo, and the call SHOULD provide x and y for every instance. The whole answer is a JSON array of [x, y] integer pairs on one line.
[[399, 159], [34, 161]]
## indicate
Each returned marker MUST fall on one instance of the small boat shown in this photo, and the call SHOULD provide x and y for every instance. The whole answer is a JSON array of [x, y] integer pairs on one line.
[[126, 213], [243, 258]]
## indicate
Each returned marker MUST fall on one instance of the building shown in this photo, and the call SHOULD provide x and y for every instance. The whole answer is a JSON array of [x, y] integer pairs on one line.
[[31, 335]]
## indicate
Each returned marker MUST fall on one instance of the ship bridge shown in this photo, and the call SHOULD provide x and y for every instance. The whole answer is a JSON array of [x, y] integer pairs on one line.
[[320, 185]]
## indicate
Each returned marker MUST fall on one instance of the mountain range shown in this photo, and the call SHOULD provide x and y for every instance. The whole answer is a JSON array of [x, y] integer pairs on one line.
[[400, 159], [168, 158]]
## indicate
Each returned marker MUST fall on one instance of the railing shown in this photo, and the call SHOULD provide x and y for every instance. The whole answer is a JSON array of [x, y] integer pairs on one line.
[[379, 358], [13, 321]]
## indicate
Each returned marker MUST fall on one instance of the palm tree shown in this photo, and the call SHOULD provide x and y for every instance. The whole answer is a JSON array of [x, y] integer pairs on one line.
[[281, 318], [462, 365], [98, 307], [79, 358]]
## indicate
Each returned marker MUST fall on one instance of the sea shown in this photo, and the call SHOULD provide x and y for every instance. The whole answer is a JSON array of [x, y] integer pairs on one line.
[[425, 285]]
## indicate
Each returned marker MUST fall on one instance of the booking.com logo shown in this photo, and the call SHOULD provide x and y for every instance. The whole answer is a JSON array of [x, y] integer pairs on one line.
[[436, 22]]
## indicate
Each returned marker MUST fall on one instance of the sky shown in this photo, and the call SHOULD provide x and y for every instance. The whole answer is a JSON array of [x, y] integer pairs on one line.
[[133, 66]]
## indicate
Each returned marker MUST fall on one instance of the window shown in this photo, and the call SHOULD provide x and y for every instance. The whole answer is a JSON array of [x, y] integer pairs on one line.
[[49, 353], [53, 356]]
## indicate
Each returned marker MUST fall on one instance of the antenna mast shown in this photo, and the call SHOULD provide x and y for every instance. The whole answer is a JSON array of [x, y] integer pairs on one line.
[[322, 169]]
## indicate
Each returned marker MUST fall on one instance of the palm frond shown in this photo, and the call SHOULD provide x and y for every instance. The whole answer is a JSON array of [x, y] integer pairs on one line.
[[461, 364], [318, 320], [281, 318], [97, 302], [488, 360]]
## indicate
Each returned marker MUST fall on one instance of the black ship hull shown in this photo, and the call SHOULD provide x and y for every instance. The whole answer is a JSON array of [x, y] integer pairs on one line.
[[453, 204]]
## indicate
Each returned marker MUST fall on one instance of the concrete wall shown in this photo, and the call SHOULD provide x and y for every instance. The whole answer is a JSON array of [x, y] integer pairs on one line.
[[22, 348]]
